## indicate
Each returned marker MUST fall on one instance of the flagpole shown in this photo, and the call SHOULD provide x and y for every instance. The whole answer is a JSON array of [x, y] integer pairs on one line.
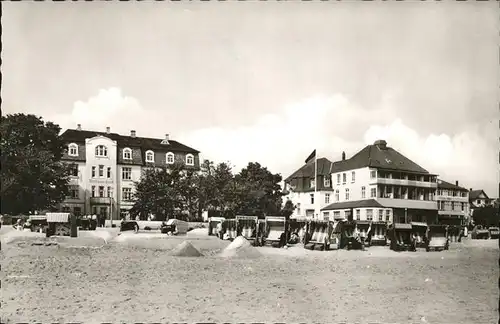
[[316, 198]]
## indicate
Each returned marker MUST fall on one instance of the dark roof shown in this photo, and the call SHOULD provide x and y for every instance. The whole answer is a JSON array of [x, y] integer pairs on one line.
[[378, 155], [353, 204], [79, 136], [307, 170], [447, 185], [474, 194]]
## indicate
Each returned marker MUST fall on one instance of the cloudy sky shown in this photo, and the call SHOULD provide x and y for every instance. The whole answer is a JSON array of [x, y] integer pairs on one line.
[[268, 82]]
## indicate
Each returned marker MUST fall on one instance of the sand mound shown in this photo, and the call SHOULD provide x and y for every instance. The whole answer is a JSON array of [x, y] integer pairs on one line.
[[186, 249], [240, 248]]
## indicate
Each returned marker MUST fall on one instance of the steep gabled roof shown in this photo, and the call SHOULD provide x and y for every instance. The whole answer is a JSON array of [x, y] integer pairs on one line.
[[79, 136], [447, 185], [474, 194], [307, 170], [379, 155]]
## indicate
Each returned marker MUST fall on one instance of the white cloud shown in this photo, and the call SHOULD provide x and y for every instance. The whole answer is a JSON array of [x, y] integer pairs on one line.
[[109, 108], [330, 124]]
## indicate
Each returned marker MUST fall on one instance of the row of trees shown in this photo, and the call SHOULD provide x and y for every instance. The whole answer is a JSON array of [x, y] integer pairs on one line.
[[34, 178], [168, 191]]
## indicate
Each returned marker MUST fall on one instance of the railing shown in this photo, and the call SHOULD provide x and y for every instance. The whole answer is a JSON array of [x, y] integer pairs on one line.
[[101, 200], [400, 182]]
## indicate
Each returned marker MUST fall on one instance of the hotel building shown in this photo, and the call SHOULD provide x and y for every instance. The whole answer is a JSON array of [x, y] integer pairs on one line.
[[105, 165], [453, 203]]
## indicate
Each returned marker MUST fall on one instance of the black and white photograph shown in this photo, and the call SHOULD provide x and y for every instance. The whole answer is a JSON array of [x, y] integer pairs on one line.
[[250, 162]]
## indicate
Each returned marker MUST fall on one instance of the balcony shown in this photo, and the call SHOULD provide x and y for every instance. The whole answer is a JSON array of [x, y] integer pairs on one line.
[[408, 203], [451, 198], [101, 200], [400, 182]]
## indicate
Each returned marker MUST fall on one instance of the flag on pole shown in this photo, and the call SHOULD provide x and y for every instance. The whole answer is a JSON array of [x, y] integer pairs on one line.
[[311, 156]]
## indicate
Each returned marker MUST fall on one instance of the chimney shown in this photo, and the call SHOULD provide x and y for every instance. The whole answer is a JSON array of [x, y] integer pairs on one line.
[[132, 133], [456, 183], [108, 130], [381, 144], [166, 137], [470, 189], [79, 126], [343, 156]]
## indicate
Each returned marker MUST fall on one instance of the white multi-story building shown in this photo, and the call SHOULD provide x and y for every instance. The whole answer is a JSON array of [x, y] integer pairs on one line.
[[380, 184], [300, 188], [453, 203], [105, 166]]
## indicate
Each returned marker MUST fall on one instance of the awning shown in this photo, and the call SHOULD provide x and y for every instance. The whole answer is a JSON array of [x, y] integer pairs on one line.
[[402, 226], [365, 203], [419, 224]]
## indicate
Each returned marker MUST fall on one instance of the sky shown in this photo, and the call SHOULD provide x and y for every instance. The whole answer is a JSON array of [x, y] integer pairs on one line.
[[268, 82]]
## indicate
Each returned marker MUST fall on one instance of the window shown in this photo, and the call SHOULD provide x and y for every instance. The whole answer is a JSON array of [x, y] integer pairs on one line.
[[101, 171], [388, 216], [101, 191], [150, 156], [73, 170], [312, 199], [126, 193], [110, 192], [326, 182], [347, 194], [109, 173], [77, 211], [327, 198], [73, 149], [380, 215], [93, 191], [353, 176], [338, 178], [373, 174], [66, 209], [363, 192], [452, 205], [369, 214], [326, 216], [312, 183], [478, 201], [336, 214], [373, 192], [93, 172], [170, 158], [463, 206], [298, 209], [127, 154], [337, 195], [101, 150], [189, 159], [358, 214], [73, 192], [127, 173], [344, 178]]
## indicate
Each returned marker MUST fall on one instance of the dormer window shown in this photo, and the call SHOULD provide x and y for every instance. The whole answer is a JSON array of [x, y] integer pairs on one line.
[[73, 149], [150, 156], [127, 154], [101, 150], [190, 159], [170, 158]]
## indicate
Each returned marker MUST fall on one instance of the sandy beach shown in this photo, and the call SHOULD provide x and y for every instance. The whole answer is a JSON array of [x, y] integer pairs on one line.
[[102, 277]]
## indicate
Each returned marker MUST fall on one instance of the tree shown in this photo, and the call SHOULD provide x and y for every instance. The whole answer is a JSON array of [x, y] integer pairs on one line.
[[486, 216], [288, 209], [32, 174], [159, 192], [258, 191]]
